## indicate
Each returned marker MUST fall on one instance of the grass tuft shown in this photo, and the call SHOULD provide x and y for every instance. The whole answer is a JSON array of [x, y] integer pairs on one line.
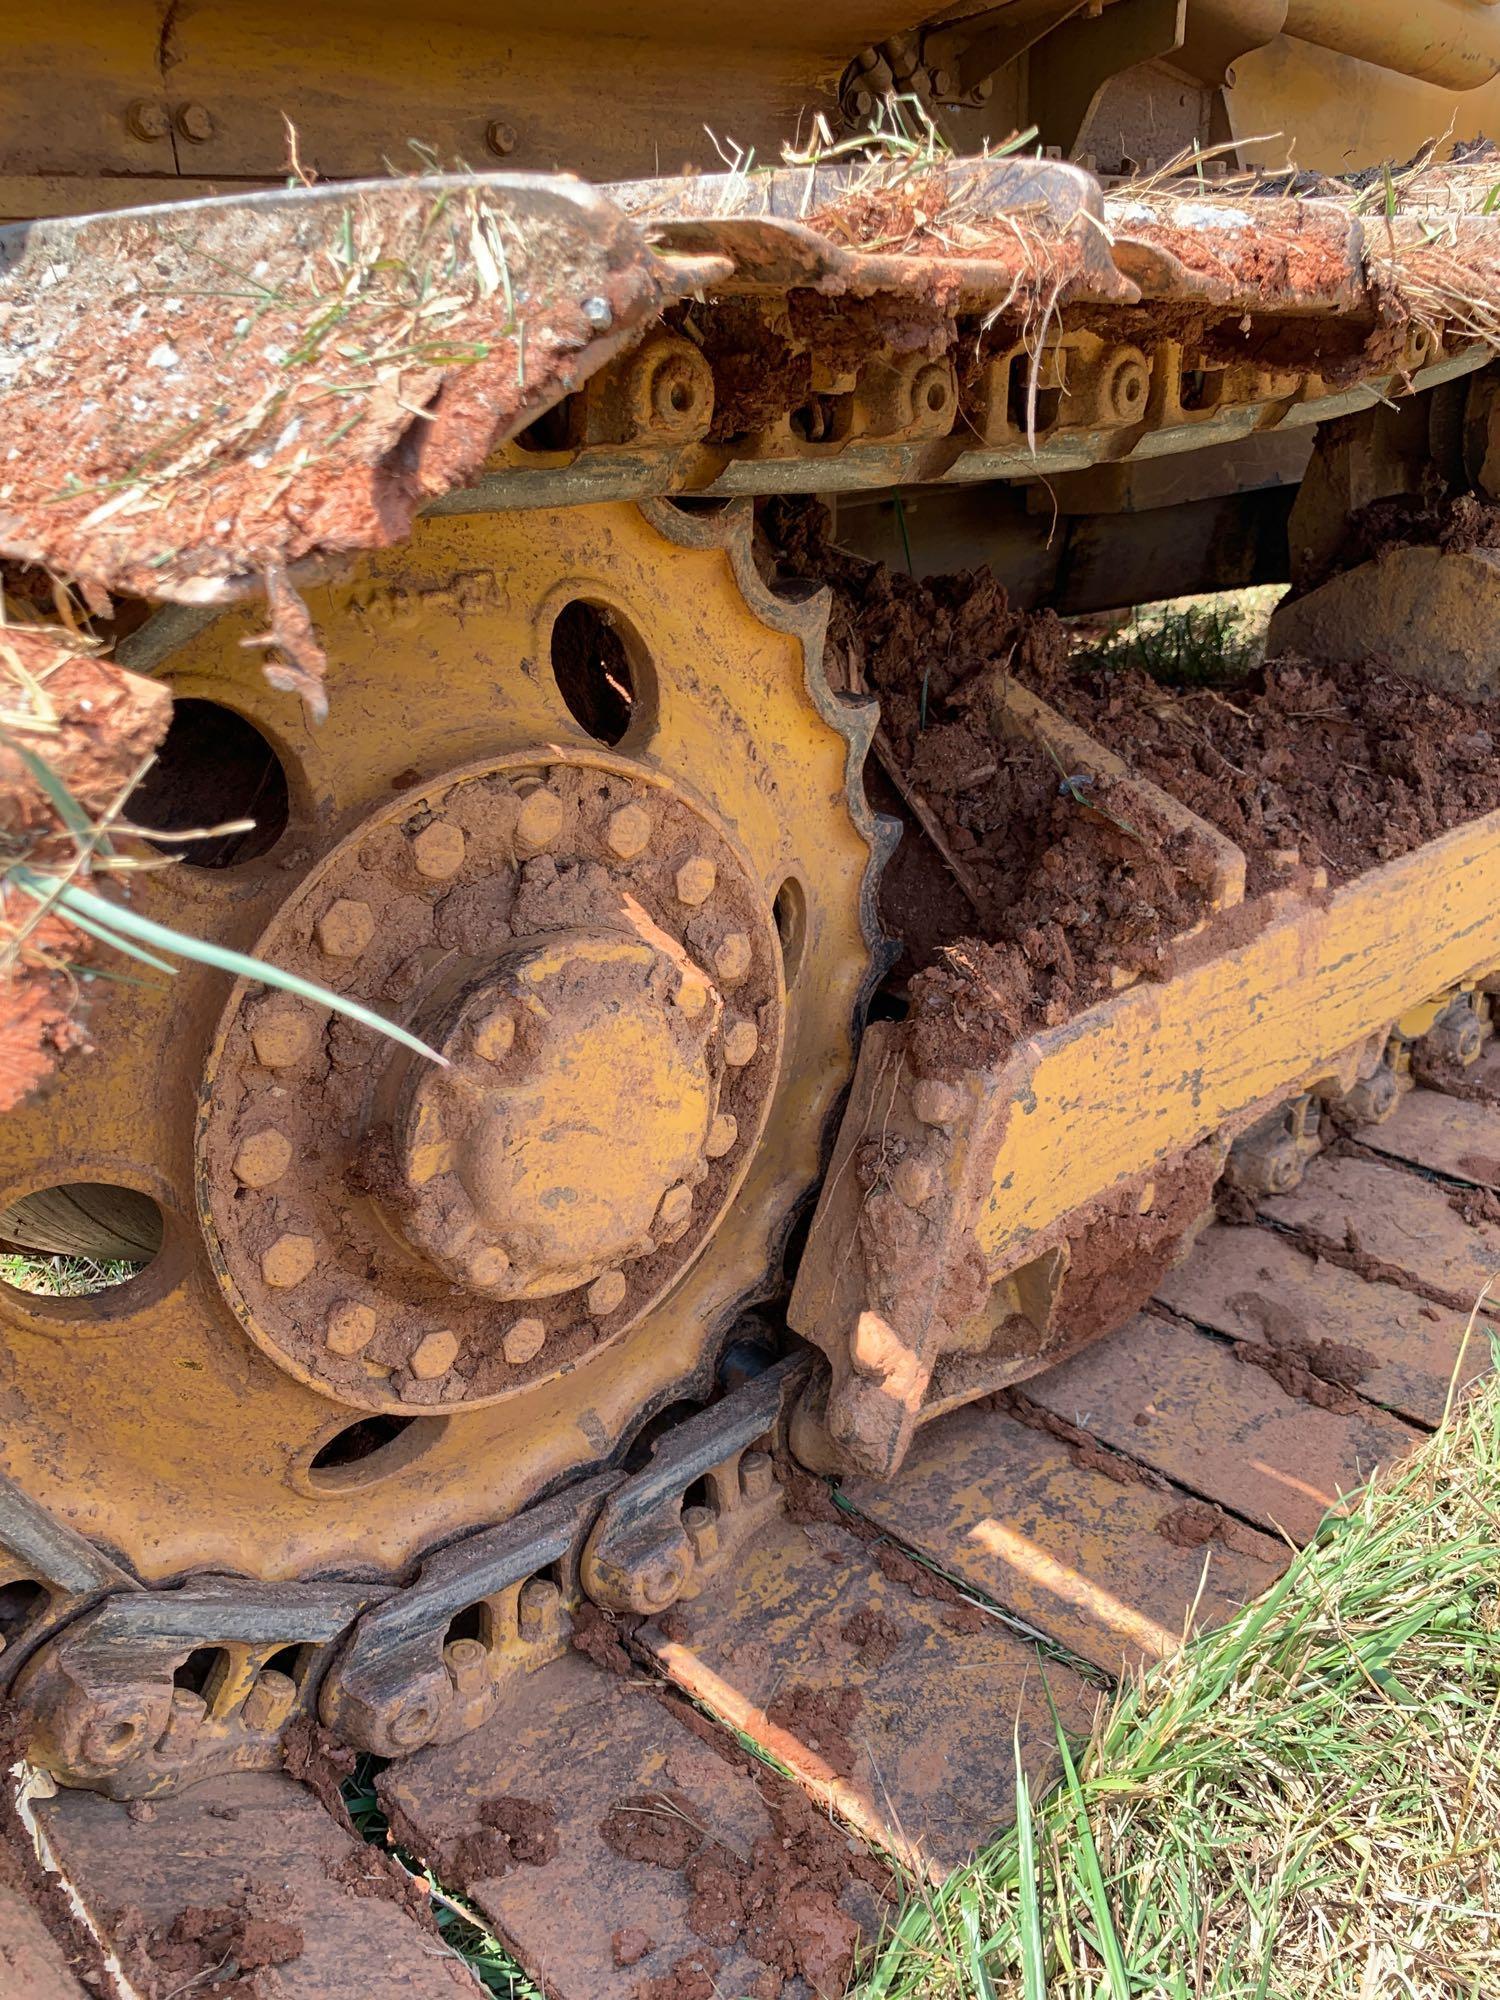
[[1213, 640], [1301, 1805]]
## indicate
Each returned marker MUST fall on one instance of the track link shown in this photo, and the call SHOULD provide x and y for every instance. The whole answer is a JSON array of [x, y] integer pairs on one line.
[[626, 1848]]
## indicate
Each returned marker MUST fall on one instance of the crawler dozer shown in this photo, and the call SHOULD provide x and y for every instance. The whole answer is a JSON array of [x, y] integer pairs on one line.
[[559, 534]]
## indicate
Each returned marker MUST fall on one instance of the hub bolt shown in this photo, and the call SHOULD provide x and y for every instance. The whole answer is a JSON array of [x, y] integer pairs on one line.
[[936, 1102], [692, 994], [740, 1043], [288, 1260], [732, 959], [434, 1355], [345, 928], [606, 1293], [349, 1328], [628, 832], [675, 1213], [912, 1181], [539, 821], [524, 1342], [695, 880], [494, 1036], [262, 1158], [438, 850], [721, 1136], [467, 1663], [485, 1265], [281, 1036]]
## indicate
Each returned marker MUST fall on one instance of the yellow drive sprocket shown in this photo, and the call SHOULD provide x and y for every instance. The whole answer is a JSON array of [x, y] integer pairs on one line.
[[625, 885]]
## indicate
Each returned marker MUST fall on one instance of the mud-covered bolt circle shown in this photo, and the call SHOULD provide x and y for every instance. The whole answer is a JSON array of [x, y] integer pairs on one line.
[[540, 820], [345, 928], [721, 1136], [732, 958], [695, 880], [350, 1327], [282, 1035], [628, 832], [524, 1342], [741, 1041], [288, 1260], [607, 1293]]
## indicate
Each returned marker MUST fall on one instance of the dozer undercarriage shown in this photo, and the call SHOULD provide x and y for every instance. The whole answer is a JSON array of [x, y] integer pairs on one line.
[[554, 589]]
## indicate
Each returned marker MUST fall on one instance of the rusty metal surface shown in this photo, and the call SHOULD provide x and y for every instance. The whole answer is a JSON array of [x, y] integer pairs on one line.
[[589, 1921], [1256, 1286], [870, 1694], [32, 1965], [1182, 1404], [106, 1708], [1108, 1567], [243, 385], [259, 1854], [1392, 1218]]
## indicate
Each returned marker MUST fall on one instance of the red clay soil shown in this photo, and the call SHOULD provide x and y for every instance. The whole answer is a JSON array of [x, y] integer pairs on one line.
[[92, 724], [214, 1952], [511, 1831]]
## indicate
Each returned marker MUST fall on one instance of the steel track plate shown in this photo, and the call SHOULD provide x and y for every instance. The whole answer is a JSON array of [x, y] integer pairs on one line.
[[1449, 1135], [1405, 1222], [255, 1849], [895, 1711], [617, 1766], [32, 1965], [1110, 1568], [1181, 1403], [1254, 1285]]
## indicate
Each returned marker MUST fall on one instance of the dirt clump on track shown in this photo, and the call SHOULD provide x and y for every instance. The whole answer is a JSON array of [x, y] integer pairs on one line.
[[210, 1950]]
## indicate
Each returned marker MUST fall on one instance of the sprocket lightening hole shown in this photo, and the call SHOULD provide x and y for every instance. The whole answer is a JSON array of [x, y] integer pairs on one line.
[[213, 766], [594, 656], [368, 1450]]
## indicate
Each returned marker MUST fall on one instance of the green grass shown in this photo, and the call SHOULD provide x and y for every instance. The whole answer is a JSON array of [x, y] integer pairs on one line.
[[1302, 1805], [61, 1277], [1204, 641]]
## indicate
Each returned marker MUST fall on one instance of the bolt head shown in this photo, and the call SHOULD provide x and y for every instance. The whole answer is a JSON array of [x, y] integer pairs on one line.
[[912, 1182], [936, 1102], [345, 928], [757, 1475], [485, 1265], [349, 1327], [281, 1036], [413, 1723], [539, 821], [195, 122], [674, 1214], [147, 120], [721, 1136], [438, 850], [598, 313], [500, 137], [696, 879], [494, 1037], [524, 1342], [606, 1294], [288, 1260], [629, 832], [732, 958], [691, 995], [467, 1663], [262, 1158], [741, 1040], [433, 1355]]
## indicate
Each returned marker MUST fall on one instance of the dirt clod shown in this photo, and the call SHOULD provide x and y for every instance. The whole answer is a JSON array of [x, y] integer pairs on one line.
[[210, 1950], [821, 1719], [630, 1945], [872, 1634]]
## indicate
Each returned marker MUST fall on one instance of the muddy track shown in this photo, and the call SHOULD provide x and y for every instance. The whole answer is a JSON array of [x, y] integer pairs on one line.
[[625, 1846]]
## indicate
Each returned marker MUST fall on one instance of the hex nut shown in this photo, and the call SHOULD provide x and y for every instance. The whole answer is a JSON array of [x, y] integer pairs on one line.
[[349, 1327], [486, 1264], [692, 994], [721, 1136], [628, 832], [288, 1260], [195, 122], [757, 1475], [467, 1662], [147, 120], [912, 1181], [524, 1342], [936, 1102], [674, 1213], [269, 1702], [494, 1036], [695, 880], [263, 1157], [740, 1043], [606, 1293], [539, 821], [433, 1355], [500, 137], [345, 927], [732, 958], [701, 1526], [437, 851], [281, 1036]]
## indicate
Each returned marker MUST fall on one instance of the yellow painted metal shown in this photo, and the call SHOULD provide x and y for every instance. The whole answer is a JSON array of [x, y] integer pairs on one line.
[[1455, 43], [144, 1416]]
